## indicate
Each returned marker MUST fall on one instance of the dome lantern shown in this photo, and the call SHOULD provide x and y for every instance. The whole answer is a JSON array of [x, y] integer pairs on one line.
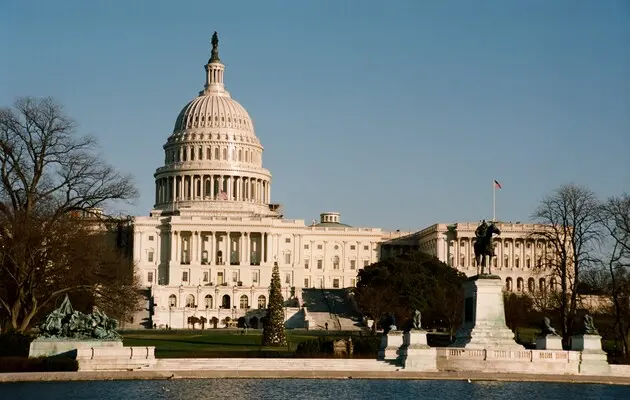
[[214, 71]]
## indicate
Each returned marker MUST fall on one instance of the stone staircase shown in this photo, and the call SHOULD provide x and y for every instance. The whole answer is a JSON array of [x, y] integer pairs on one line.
[[270, 364], [330, 306]]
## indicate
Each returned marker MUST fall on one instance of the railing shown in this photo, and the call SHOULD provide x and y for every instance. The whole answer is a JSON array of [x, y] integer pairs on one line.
[[516, 355]]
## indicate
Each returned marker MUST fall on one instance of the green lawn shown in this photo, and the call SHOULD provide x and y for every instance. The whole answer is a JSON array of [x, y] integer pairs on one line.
[[216, 342]]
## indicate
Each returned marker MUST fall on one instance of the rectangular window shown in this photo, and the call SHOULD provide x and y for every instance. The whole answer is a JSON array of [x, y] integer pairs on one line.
[[366, 263], [336, 283], [151, 238], [366, 247], [319, 247], [234, 276], [319, 264], [287, 240], [185, 276], [353, 247], [255, 276], [287, 278], [305, 282], [150, 256], [306, 246], [150, 277], [220, 279], [306, 263], [287, 258], [205, 276], [353, 282], [353, 264]]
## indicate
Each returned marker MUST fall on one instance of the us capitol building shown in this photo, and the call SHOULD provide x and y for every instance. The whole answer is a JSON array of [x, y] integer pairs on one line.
[[209, 244]]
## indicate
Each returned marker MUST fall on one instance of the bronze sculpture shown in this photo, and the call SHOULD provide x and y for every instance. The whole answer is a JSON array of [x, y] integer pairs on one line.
[[484, 246], [589, 326], [66, 323]]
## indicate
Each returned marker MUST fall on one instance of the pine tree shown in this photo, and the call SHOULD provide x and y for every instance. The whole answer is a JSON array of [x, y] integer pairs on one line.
[[273, 331]]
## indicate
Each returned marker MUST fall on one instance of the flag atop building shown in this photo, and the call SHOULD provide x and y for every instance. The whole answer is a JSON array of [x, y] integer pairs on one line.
[[497, 184]]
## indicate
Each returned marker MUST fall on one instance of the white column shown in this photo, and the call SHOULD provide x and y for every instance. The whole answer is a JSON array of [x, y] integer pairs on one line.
[[158, 249], [269, 256], [174, 246], [211, 254]]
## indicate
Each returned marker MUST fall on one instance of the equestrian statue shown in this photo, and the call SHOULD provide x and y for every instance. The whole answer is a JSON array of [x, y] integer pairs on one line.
[[484, 246]]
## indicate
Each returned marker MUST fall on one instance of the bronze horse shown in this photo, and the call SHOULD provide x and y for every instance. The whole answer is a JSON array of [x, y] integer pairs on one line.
[[484, 247]]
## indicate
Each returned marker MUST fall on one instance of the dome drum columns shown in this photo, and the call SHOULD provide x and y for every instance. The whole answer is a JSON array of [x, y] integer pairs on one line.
[[203, 187]]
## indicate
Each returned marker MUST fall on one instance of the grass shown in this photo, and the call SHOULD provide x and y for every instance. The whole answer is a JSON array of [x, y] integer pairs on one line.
[[218, 342]]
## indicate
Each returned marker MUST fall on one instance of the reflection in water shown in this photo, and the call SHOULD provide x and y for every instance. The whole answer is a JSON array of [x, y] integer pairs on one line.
[[297, 389]]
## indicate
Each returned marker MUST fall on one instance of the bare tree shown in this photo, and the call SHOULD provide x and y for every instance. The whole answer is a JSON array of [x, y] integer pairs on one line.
[[50, 180], [615, 217], [571, 231]]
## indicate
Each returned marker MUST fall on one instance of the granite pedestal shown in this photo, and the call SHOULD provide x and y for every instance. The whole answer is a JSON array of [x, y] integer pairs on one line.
[[390, 343], [54, 347], [594, 360], [549, 342], [415, 354], [484, 316]]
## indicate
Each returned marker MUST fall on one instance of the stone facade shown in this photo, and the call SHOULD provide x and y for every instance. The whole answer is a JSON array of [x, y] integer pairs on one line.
[[517, 252]]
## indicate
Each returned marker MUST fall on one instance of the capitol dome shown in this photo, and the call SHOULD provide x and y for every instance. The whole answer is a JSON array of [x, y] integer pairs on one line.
[[214, 111], [213, 159]]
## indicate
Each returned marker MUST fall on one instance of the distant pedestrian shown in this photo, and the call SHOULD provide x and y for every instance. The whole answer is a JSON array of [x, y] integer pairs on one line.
[[326, 325]]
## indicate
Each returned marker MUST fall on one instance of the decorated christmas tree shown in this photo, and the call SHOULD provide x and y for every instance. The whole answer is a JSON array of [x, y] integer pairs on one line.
[[273, 331]]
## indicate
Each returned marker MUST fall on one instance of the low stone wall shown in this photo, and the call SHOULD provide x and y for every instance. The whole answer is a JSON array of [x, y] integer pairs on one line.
[[270, 364], [620, 370], [523, 361], [115, 359], [53, 347]]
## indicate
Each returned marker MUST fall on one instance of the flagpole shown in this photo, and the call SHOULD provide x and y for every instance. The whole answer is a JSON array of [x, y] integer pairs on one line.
[[494, 201]]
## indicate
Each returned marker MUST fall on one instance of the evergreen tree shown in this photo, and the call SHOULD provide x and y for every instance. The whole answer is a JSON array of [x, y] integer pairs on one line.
[[273, 330]]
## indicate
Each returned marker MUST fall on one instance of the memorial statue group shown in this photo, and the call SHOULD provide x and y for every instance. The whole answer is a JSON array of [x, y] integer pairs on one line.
[[66, 323]]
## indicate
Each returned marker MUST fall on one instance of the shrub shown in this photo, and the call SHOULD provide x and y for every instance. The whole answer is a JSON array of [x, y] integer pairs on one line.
[[366, 345], [14, 344], [42, 364]]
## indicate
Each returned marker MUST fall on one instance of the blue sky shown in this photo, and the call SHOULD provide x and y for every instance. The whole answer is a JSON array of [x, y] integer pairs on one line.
[[397, 114]]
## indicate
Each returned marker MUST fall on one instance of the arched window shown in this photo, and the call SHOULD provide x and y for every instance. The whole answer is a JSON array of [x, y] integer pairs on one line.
[[528, 262], [508, 284], [240, 155], [531, 284], [208, 153], [262, 302], [208, 301], [190, 300], [517, 262], [225, 301], [519, 284], [172, 301], [244, 302], [542, 285], [225, 154], [462, 260], [552, 284], [506, 262], [336, 262], [216, 153]]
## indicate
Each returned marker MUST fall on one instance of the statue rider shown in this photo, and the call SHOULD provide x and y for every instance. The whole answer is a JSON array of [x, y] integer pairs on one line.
[[480, 233]]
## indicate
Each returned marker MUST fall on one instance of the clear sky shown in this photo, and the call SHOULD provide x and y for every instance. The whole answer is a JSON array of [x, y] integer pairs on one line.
[[398, 114]]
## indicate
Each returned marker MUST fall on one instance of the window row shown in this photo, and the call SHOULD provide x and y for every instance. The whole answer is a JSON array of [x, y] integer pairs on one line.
[[531, 285], [336, 247], [200, 153], [208, 302]]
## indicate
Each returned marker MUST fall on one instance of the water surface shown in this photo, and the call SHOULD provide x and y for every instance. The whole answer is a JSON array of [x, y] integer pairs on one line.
[[297, 389]]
